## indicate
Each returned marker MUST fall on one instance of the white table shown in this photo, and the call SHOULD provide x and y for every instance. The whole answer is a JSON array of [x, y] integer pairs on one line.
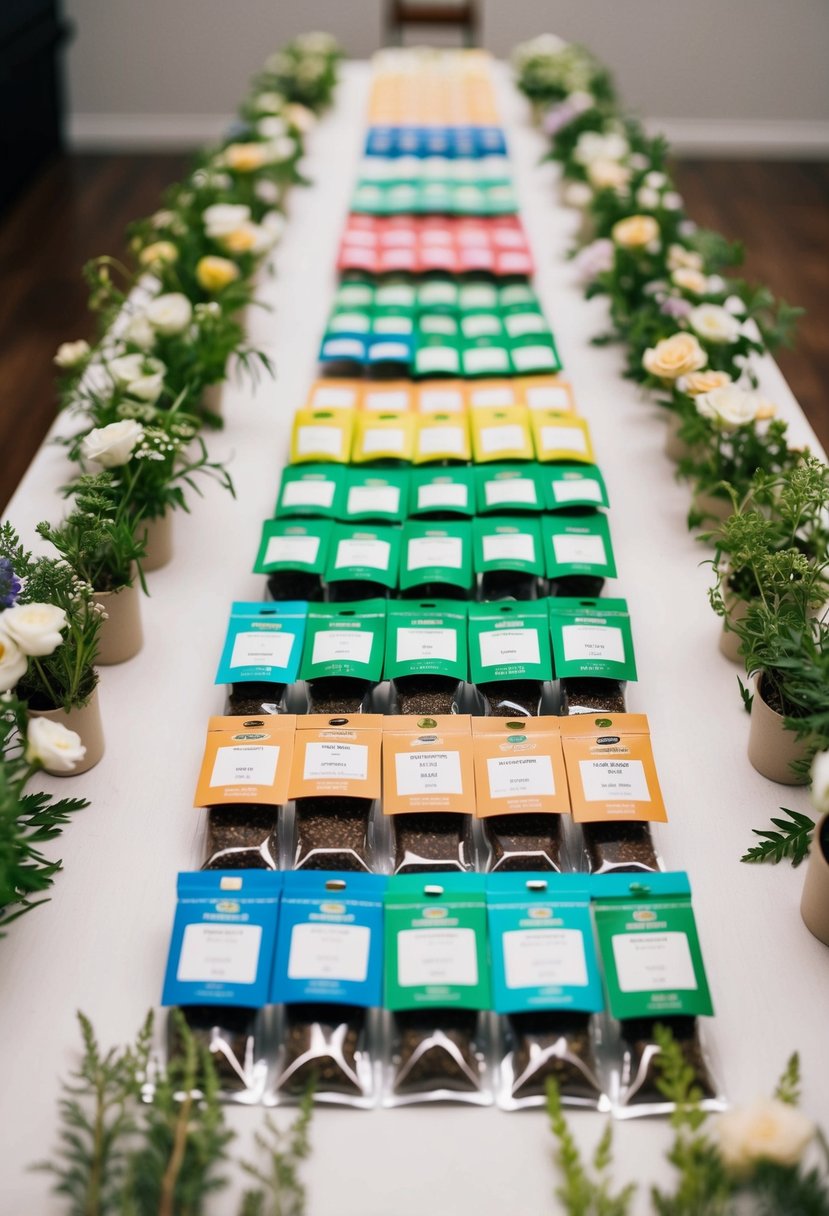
[[100, 944]]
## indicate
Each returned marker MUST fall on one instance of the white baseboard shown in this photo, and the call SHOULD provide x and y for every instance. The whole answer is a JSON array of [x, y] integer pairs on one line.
[[687, 136]]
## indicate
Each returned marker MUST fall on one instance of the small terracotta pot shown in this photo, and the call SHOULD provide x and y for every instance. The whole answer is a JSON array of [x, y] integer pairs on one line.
[[86, 722], [212, 397], [121, 635], [159, 541], [771, 748], [814, 906], [729, 641]]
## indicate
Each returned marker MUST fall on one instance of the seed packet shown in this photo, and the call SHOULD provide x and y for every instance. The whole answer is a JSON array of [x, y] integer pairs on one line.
[[437, 293], [293, 554], [322, 435], [331, 394], [578, 553], [492, 395], [328, 976], [442, 493], [345, 641], [509, 655], [565, 486], [307, 490], [335, 784], [349, 321], [485, 357], [444, 397], [546, 393], [477, 297], [501, 434], [246, 760], [611, 769], [508, 556], [381, 494], [383, 436], [263, 643], [392, 321], [426, 655], [529, 322], [592, 638], [507, 487], [363, 560], [242, 836], [236, 1040], [441, 437], [517, 296], [435, 557], [533, 353], [560, 436], [391, 354], [481, 325], [354, 293], [396, 293], [436, 985], [388, 397], [436, 355], [442, 323], [546, 985]]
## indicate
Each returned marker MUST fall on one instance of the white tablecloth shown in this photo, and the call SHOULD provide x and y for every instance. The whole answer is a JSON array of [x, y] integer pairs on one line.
[[100, 944]]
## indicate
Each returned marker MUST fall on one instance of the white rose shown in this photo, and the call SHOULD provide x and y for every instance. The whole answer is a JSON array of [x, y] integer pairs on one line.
[[274, 224], [148, 387], [13, 662], [647, 198], [690, 280], [714, 324], [638, 161], [577, 194], [546, 44], [300, 117], [730, 405], [111, 446], [272, 127], [655, 179], [593, 145], [53, 745], [735, 306], [267, 191], [35, 628], [672, 201], [163, 219], [770, 1130], [139, 332], [269, 103], [681, 258], [280, 149], [222, 218], [820, 781], [170, 313], [607, 174], [716, 284], [126, 368], [72, 354]]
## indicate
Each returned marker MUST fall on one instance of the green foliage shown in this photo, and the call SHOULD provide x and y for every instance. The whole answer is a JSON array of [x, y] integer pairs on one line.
[[98, 537], [791, 841], [585, 1190], [283, 1192], [788, 1087]]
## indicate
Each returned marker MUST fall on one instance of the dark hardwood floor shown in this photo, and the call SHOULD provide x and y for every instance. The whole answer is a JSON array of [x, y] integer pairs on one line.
[[82, 204]]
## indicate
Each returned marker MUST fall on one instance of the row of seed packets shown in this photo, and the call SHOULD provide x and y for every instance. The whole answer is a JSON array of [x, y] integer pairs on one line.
[[441, 396], [488, 986], [434, 96]]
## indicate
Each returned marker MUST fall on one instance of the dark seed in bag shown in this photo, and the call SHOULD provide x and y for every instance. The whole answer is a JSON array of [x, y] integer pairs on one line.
[[332, 833], [426, 695], [639, 1068], [229, 1034], [529, 841], [508, 585], [579, 586], [255, 698], [622, 848], [242, 837], [513, 699], [435, 591], [550, 1045], [323, 1043], [436, 1049], [586, 695], [432, 840], [337, 695], [294, 585], [348, 589]]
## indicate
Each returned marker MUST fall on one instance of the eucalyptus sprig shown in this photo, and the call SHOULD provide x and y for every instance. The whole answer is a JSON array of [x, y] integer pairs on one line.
[[281, 1191], [586, 1188]]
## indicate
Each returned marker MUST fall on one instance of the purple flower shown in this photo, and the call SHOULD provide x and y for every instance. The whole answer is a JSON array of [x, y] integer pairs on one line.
[[9, 584], [675, 306], [594, 259], [558, 117]]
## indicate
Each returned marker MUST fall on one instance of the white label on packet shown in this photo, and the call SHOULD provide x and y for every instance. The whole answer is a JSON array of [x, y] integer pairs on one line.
[[563, 439], [484, 398], [372, 553], [593, 642], [420, 643], [653, 962], [437, 359], [548, 397], [308, 494], [512, 776], [532, 357], [335, 759], [510, 489], [334, 398], [386, 399], [518, 546], [327, 439], [436, 956], [332, 644], [428, 773], [486, 359], [502, 438], [481, 325], [535, 958], [329, 952], [448, 495], [262, 649], [440, 439], [219, 954], [438, 400], [299, 550], [244, 764], [384, 439], [382, 499], [571, 548], [579, 487], [614, 780], [523, 323], [434, 551], [509, 646]]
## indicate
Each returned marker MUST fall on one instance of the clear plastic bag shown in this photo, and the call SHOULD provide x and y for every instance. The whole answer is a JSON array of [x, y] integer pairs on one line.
[[620, 848], [513, 698], [426, 695], [242, 837], [329, 1045], [333, 833], [429, 841], [338, 695], [255, 698], [638, 1092], [438, 1055], [235, 1039], [507, 585], [299, 585], [587, 695], [520, 842], [544, 1045]]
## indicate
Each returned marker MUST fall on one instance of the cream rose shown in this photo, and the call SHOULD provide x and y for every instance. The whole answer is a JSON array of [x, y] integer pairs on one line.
[[53, 746], [267, 191], [635, 232], [770, 1130], [278, 150], [607, 174], [690, 280], [593, 145], [270, 103], [702, 382], [241, 240], [34, 628], [112, 446], [245, 158], [139, 332], [714, 324], [300, 117], [13, 662], [170, 313], [648, 198], [673, 357], [215, 273], [72, 354], [680, 257], [272, 127], [730, 406], [222, 218], [158, 254], [577, 194], [820, 781]]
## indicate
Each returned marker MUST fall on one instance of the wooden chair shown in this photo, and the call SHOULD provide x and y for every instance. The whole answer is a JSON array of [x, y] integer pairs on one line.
[[462, 15]]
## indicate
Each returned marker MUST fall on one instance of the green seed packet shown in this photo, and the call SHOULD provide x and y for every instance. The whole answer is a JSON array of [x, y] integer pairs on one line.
[[354, 293], [517, 295], [444, 491], [572, 485], [578, 544], [470, 199], [523, 324], [345, 640], [426, 638], [311, 489], [400, 294], [289, 544], [481, 325], [507, 487], [486, 357], [437, 294], [394, 321], [477, 297], [649, 945], [592, 638], [509, 641], [437, 355], [375, 494], [435, 942], [360, 551], [348, 321], [436, 553], [502, 542], [442, 324], [533, 355]]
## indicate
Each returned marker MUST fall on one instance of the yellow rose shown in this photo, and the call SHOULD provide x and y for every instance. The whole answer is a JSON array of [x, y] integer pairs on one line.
[[159, 253], [635, 231], [675, 356], [607, 175], [244, 158], [240, 240], [690, 280], [704, 382], [679, 256], [215, 273]]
